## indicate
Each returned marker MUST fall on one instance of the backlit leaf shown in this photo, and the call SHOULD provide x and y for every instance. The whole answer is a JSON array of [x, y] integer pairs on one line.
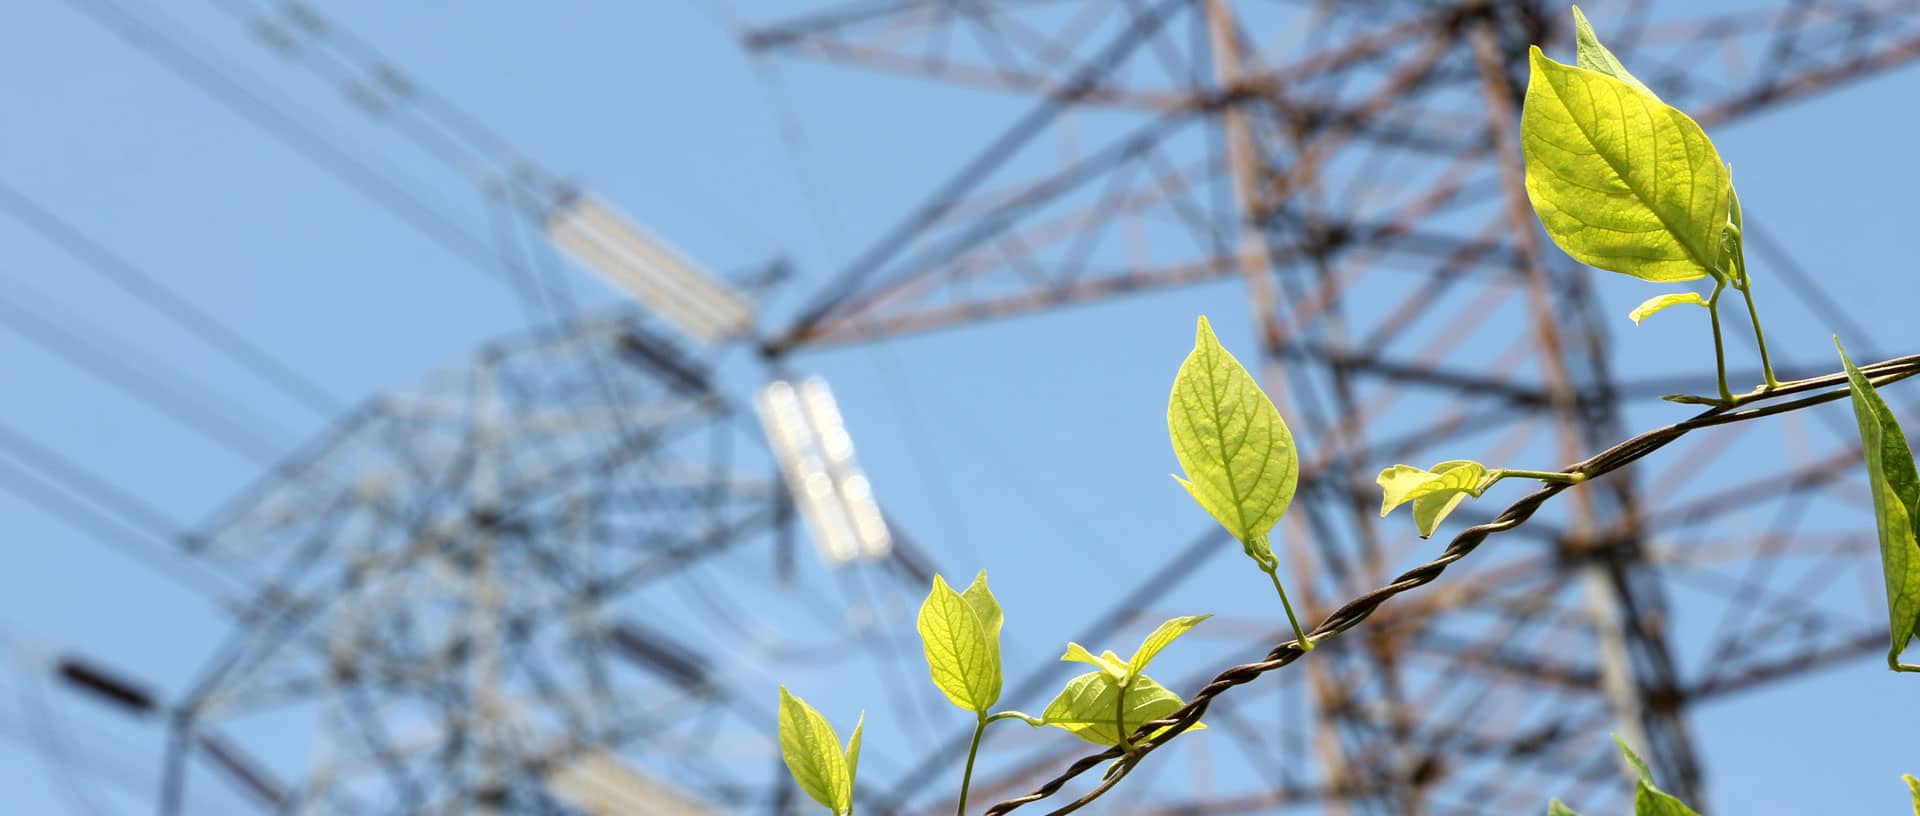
[[1158, 639], [978, 596], [962, 659], [812, 752], [1556, 808], [853, 757], [1649, 800], [1896, 506], [1913, 787], [1593, 56], [1621, 181], [1086, 707], [1107, 662], [1239, 457], [1660, 303], [1434, 493]]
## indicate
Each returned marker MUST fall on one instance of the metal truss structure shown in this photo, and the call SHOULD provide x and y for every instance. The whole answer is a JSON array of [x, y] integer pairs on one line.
[[521, 588], [1356, 164]]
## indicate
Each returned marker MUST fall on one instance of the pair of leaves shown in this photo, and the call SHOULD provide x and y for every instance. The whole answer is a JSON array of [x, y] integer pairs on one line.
[[1621, 180], [1090, 705], [1239, 457], [1648, 800], [813, 755], [1896, 507], [1434, 493], [960, 633]]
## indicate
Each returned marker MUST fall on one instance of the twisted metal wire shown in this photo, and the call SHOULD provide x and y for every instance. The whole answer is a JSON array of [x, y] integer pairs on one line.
[[1145, 741]]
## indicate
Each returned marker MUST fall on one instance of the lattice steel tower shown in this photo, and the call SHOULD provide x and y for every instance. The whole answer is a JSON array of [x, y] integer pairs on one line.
[[1357, 164]]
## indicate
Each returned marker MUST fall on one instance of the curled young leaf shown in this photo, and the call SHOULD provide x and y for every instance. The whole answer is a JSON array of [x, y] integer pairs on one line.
[[1621, 181], [812, 752], [1239, 457], [1089, 708], [1107, 662], [1593, 56], [1660, 303], [1896, 507], [1647, 799], [1913, 787], [961, 638], [1158, 639], [1434, 493]]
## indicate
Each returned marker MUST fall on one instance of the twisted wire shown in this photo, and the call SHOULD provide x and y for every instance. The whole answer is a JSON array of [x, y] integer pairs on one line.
[[1145, 740]]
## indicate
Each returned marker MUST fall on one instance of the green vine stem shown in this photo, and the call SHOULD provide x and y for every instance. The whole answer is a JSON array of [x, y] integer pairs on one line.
[[966, 778], [1156, 733], [1299, 634]]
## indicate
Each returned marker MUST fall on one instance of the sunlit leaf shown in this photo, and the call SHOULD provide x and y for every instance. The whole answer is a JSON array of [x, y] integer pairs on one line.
[[853, 757], [1593, 56], [1107, 662], [1158, 639], [1556, 808], [1913, 787], [812, 752], [1434, 493], [1621, 180], [1086, 708], [1660, 303], [963, 661], [978, 596], [1896, 506], [1239, 457], [1649, 800]]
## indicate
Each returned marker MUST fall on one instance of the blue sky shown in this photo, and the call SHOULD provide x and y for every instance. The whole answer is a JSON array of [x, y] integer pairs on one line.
[[1033, 448]]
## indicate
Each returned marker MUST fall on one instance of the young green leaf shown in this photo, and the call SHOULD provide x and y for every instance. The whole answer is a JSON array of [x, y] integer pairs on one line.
[[1239, 457], [1158, 639], [853, 756], [1896, 507], [812, 753], [1086, 708], [1434, 493], [1660, 303], [963, 650], [1621, 180], [1557, 808], [1107, 662], [978, 596], [1593, 56], [1913, 786], [1647, 799]]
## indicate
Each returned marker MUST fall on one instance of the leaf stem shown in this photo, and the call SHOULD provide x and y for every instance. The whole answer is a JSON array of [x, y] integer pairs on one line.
[[1719, 348], [966, 779], [1120, 715], [1299, 634], [1759, 334]]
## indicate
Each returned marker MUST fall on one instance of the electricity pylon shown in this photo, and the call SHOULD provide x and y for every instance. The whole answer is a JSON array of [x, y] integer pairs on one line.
[[1356, 163]]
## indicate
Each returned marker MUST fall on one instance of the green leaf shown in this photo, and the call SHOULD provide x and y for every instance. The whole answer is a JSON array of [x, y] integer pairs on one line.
[[1647, 799], [1107, 662], [812, 753], [963, 660], [978, 596], [1621, 180], [1896, 506], [1593, 56], [1086, 707], [1913, 786], [1239, 457], [1556, 807], [1434, 493], [1660, 303], [853, 757], [1158, 639]]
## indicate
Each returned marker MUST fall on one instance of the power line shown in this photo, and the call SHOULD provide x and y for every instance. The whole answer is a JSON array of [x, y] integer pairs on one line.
[[146, 381], [185, 61], [181, 311]]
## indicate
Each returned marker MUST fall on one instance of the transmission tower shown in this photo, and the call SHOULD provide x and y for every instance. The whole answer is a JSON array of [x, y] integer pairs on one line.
[[554, 580], [1356, 163]]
